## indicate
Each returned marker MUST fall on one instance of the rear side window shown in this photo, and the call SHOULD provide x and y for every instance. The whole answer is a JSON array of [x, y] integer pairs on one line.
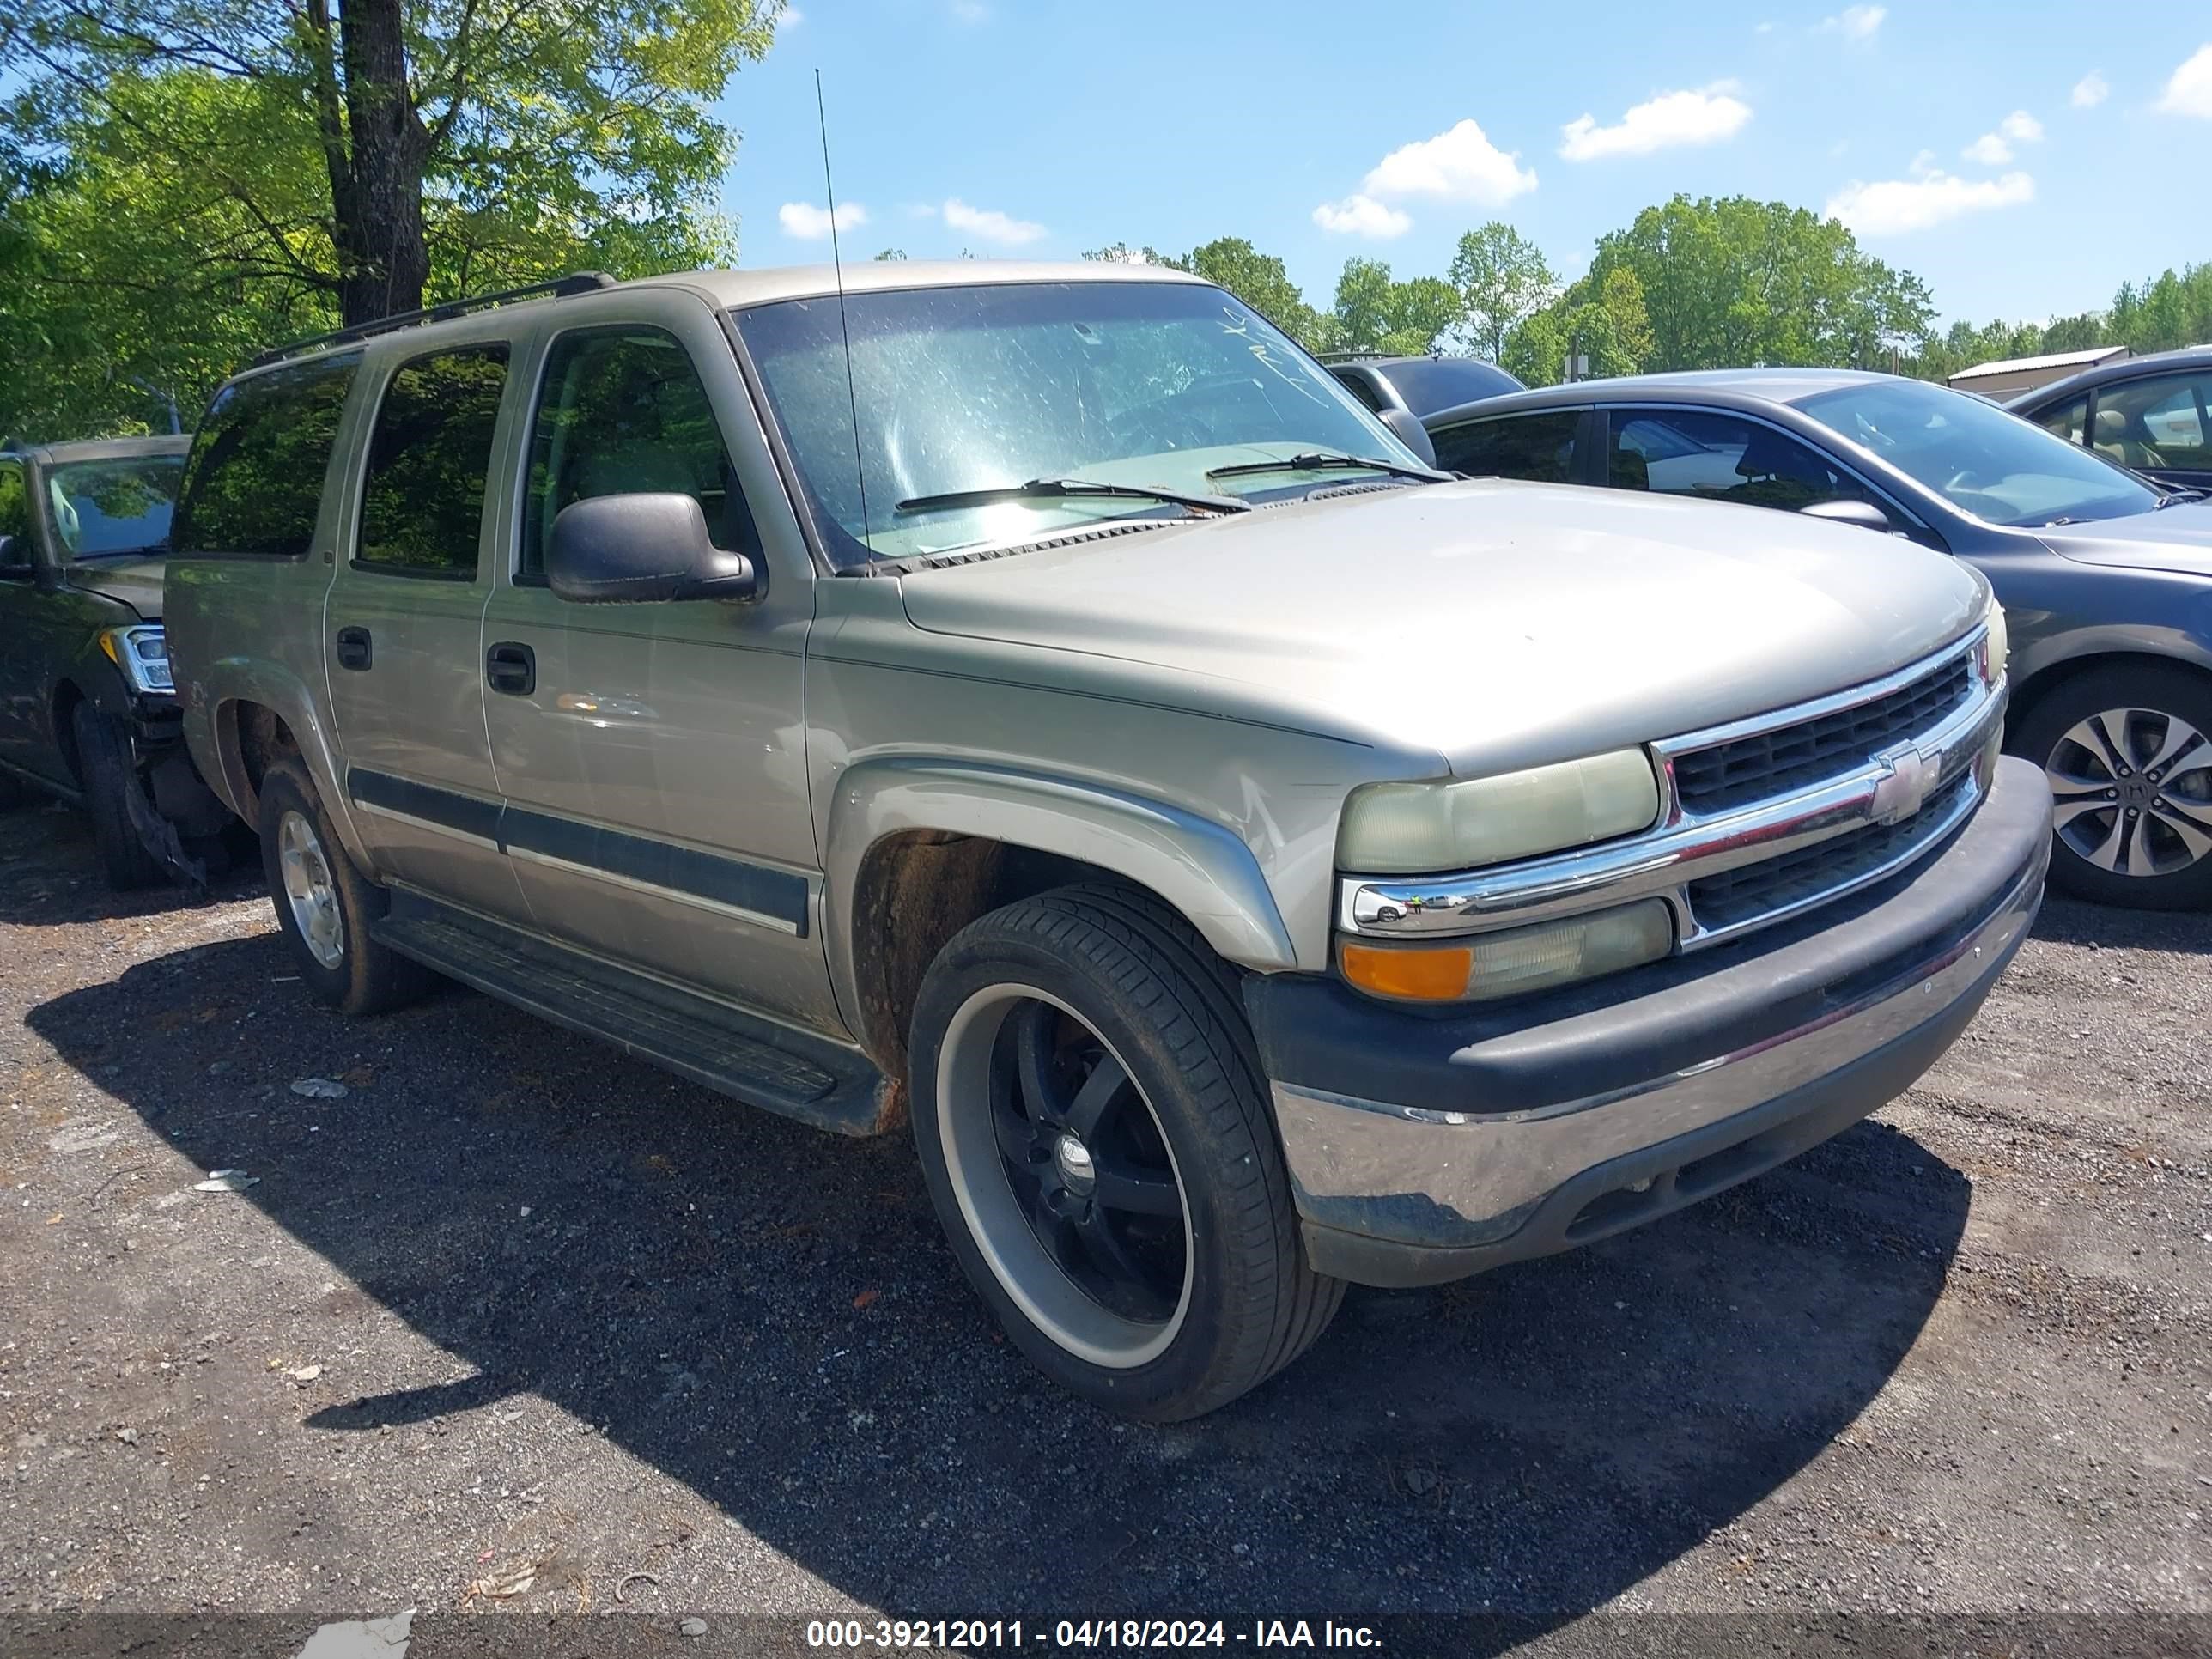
[[421, 504], [622, 411], [1720, 457], [255, 478], [2166, 421], [1537, 447]]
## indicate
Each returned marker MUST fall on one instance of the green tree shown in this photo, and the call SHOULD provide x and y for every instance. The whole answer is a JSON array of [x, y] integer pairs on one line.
[[1373, 312], [1502, 278], [1733, 281], [455, 143], [1260, 280], [1603, 321]]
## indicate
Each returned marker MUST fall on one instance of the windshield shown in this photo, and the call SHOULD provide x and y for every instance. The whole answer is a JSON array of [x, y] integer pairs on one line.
[[102, 508], [1147, 385], [1982, 460]]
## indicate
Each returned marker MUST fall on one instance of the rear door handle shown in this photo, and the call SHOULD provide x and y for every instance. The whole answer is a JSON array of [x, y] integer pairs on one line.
[[353, 647], [512, 668]]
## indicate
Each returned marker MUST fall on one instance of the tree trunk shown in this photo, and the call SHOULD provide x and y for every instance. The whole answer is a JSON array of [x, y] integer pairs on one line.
[[379, 215]]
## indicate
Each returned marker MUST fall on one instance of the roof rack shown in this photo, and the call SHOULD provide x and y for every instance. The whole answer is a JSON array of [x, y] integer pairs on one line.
[[580, 282]]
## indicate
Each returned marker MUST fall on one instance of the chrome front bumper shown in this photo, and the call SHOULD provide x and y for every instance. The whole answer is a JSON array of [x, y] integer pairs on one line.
[[1504, 1140]]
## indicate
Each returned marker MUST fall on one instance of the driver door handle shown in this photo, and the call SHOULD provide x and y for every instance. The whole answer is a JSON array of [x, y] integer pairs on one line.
[[511, 667]]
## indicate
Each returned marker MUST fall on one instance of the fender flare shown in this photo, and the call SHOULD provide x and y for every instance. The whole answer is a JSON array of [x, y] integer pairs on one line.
[[1200, 867], [2034, 670], [213, 736]]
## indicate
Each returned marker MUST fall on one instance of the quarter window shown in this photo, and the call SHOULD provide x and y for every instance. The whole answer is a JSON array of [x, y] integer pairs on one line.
[[622, 411], [1537, 447], [1721, 457], [2161, 422], [422, 507], [254, 483]]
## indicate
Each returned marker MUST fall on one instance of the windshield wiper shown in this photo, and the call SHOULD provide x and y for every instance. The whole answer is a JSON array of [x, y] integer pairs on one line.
[[1072, 489], [1321, 463]]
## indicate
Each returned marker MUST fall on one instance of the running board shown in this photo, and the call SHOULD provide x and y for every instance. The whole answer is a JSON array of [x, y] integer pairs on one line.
[[739, 1055]]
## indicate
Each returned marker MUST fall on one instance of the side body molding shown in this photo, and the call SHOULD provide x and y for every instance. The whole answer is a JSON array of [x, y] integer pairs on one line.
[[1202, 869]]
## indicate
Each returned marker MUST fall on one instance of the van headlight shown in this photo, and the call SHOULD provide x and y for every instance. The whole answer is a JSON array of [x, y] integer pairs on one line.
[[1996, 644], [141, 651], [1418, 829]]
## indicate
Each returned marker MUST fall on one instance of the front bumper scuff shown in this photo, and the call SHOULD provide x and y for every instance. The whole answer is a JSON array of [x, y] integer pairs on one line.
[[1422, 1150]]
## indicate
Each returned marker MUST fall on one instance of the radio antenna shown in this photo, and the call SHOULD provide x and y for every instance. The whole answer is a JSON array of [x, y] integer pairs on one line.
[[837, 265]]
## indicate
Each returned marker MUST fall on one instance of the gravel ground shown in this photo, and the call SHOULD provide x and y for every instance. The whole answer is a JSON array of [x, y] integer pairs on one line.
[[513, 1304]]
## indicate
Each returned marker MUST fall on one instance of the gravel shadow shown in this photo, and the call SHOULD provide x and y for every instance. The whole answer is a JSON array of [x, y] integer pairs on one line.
[[770, 1317]]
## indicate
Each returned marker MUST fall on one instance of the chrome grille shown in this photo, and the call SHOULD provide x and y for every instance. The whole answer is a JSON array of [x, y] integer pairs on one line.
[[1755, 768], [1753, 890]]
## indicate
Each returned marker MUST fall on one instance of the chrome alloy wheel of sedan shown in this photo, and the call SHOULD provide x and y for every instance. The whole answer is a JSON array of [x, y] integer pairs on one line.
[[1064, 1176], [309, 890], [2132, 791]]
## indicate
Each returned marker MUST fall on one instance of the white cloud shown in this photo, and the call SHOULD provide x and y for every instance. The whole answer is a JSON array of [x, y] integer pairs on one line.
[[969, 11], [1361, 215], [1458, 165], [1764, 29], [2189, 90], [809, 224], [1666, 122], [1922, 164], [990, 224], [1856, 23], [2091, 90], [1894, 206], [1994, 149]]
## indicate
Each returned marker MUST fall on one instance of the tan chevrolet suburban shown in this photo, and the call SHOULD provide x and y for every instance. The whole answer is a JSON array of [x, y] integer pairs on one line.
[[1039, 701]]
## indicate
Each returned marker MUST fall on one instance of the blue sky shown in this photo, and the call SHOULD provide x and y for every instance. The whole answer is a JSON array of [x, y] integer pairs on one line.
[[2024, 158]]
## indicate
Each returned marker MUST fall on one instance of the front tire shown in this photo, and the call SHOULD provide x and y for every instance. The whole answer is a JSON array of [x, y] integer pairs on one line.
[[1094, 1133], [325, 906], [2129, 755], [108, 777]]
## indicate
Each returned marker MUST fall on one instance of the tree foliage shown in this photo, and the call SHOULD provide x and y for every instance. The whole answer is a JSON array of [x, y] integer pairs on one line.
[[1502, 279], [1374, 311], [1604, 321], [228, 171]]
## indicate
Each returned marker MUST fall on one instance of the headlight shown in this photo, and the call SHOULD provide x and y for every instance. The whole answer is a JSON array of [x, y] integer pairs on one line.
[[1996, 645], [1514, 961], [142, 653], [1415, 828]]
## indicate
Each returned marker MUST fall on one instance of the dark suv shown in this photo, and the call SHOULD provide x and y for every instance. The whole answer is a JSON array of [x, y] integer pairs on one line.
[[87, 709], [2152, 414]]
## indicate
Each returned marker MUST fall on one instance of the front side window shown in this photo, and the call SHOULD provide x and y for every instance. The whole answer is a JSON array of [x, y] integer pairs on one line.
[[1540, 447], [2158, 423], [622, 411], [1981, 459], [421, 504], [2068, 420], [14, 518], [955, 389], [1720, 457], [109, 509], [254, 480]]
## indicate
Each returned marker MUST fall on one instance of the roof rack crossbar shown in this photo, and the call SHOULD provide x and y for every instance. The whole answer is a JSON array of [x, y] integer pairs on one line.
[[579, 282]]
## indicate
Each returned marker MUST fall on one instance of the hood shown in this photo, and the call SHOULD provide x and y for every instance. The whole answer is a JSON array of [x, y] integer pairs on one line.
[[1496, 623], [136, 582], [2176, 539]]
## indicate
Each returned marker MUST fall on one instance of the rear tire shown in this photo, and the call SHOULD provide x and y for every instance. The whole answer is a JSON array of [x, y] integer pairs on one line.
[[2128, 754], [108, 778], [325, 906], [1094, 1134]]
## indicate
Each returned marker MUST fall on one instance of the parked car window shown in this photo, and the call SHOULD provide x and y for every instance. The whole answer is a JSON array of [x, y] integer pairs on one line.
[[991, 385], [1430, 385], [422, 505], [14, 518], [103, 509], [2161, 422], [1985, 461], [1720, 457], [1538, 446], [623, 411], [254, 480], [1357, 386], [2070, 420]]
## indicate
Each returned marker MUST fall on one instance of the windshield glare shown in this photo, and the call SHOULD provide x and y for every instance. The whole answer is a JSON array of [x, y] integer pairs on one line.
[[1996, 466], [1149, 383], [100, 508]]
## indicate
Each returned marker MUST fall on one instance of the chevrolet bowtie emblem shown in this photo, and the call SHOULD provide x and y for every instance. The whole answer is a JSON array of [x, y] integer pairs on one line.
[[1901, 791]]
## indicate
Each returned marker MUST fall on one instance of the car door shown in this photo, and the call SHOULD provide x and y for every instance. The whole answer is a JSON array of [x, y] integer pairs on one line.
[[2160, 425], [403, 626], [1546, 446], [652, 757]]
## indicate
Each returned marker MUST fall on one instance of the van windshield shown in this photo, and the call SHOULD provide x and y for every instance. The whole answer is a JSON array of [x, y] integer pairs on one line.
[[1144, 385], [102, 509], [2000, 468]]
